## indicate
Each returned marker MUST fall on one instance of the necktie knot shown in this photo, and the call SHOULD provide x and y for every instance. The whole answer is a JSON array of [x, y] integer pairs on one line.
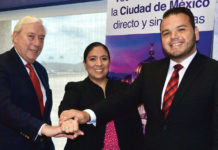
[[178, 67], [29, 66]]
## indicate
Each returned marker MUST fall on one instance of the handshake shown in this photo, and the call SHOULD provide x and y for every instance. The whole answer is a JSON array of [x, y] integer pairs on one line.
[[68, 125]]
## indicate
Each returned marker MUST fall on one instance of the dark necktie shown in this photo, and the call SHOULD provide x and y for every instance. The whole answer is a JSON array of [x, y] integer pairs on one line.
[[37, 87], [171, 90]]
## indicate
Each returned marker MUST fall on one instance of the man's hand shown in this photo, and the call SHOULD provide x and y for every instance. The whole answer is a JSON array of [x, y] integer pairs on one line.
[[71, 126], [56, 131], [81, 116], [50, 131]]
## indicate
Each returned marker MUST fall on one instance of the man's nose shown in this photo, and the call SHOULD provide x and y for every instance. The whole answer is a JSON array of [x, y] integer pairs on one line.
[[174, 34], [37, 42]]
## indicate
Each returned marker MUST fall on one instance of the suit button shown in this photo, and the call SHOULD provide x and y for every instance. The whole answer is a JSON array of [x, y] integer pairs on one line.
[[41, 139]]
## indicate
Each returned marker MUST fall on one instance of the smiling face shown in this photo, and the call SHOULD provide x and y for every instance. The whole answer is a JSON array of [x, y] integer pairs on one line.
[[29, 41], [178, 37], [97, 64]]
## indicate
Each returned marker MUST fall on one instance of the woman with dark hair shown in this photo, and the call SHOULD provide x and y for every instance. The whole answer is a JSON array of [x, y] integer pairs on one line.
[[123, 133]]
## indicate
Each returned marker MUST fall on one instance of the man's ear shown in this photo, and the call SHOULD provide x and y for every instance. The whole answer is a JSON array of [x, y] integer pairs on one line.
[[197, 33], [15, 36]]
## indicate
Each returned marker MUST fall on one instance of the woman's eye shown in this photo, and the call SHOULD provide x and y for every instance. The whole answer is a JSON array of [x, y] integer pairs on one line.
[[92, 59], [105, 58]]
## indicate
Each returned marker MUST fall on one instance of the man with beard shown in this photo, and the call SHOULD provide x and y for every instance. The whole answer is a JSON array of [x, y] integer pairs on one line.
[[179, 92]]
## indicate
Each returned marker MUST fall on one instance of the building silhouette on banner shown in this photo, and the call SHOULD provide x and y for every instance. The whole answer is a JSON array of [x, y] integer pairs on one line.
[[130, 77]]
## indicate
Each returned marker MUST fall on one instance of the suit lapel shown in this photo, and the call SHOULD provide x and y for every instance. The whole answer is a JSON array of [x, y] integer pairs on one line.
[[21, 73], [48, 104], [189, 77], [158, 78], [20, 69], [40, 74]]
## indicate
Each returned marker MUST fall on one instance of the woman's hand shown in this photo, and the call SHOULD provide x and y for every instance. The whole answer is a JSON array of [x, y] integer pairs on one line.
[[81, 116]]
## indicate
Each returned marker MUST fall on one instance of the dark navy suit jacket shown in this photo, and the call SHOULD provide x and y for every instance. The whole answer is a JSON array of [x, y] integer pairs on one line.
[[20, 118], [192, 122]]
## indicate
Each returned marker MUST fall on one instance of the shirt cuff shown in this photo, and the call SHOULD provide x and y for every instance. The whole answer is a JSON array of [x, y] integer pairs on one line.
[[39, 132], [92, 117]]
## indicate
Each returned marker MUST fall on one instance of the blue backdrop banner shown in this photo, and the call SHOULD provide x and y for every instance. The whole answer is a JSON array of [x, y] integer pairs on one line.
[[6, 5]]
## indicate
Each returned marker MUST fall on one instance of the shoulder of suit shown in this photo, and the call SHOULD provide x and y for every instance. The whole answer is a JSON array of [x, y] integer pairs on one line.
[[38, 65], [5, 56], [157, 63], [208, 61]]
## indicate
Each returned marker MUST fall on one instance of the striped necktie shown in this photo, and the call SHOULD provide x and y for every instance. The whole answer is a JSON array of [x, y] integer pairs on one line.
[[171, 90]]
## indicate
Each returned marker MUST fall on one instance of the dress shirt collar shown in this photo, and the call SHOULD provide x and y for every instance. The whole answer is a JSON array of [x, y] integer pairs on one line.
[[24, 61], [185, 63]]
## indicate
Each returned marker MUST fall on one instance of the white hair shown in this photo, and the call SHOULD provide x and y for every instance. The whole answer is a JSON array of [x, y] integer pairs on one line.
[[26, 20]]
